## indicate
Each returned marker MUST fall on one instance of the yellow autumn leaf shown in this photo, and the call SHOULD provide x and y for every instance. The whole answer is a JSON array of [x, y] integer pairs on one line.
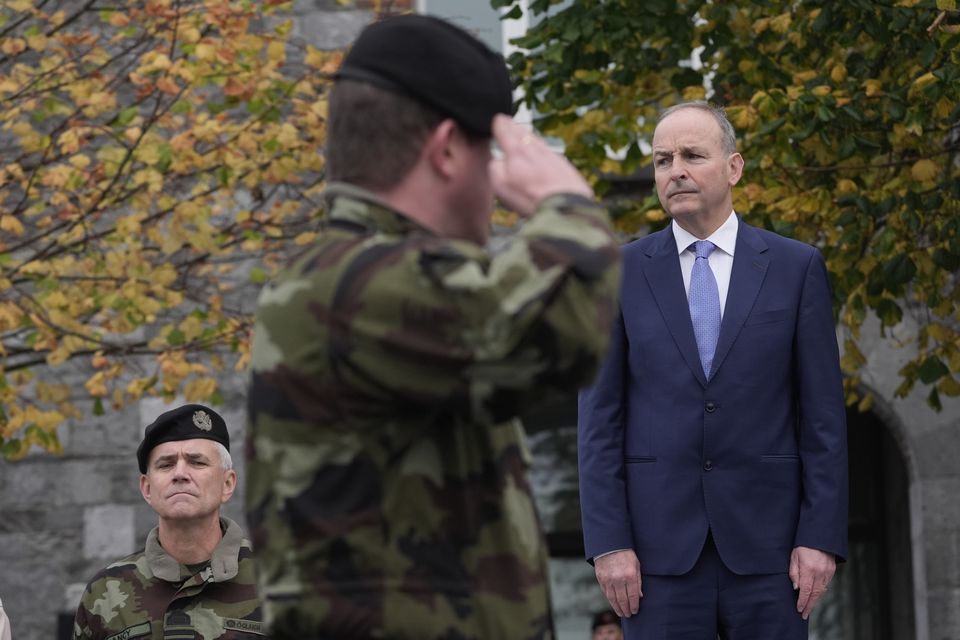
[[821, 90], [305, 238], [199, 389], [13, 46], [96, 385], [838, 73], [781, 23], [205, 52], [10, 224], [921, 83], [37, 42], [846, 186], [949, 386], [923, 170], [940, 332], [190, 34], [276, 52], [191, 327], [761, 25]]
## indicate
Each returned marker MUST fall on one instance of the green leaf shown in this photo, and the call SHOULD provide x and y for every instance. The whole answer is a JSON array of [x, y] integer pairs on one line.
[[889, 312], [933, 399], [899, 270], [98, 407], [258, 275], [126, 116], [770, 127], [176, 338], [932, 370], [947, 5]]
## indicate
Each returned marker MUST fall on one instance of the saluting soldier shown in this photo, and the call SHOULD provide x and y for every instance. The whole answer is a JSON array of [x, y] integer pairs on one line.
[[387, 493], [195, 578]]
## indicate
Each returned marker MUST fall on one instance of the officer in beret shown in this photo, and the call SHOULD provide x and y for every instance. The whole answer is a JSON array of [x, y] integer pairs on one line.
[[387, 493], [195, 577]]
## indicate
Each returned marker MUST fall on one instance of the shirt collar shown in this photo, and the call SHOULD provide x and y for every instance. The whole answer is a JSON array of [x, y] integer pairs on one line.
[[725, 238], [352, 204], [224, 563]]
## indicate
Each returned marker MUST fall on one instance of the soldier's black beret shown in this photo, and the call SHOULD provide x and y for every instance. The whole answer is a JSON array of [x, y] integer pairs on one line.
[[435, 63], [183, 423]]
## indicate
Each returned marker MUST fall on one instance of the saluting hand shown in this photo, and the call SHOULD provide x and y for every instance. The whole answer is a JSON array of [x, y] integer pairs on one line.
[[528, 170]]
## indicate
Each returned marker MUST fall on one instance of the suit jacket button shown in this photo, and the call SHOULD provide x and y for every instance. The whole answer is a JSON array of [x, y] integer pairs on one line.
[[707, 465], [710, 407]]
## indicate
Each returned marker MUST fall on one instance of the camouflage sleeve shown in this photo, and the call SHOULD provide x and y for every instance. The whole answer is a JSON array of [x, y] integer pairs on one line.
[[447, 324], [81, 630]]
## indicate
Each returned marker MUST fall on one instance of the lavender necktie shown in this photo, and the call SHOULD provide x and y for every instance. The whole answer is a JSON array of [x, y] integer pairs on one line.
[[704, 299]]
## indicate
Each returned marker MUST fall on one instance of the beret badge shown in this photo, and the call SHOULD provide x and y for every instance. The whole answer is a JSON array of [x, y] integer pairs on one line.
[[202, 421]]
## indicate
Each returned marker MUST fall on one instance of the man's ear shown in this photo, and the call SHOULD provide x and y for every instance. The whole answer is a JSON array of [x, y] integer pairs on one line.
[[440, 147], [736, 168], [145, 488], [229, 485]]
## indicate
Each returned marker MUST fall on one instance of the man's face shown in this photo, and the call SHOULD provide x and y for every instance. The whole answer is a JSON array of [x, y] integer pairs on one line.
[[693, 173], [608, 632], [185, 480]]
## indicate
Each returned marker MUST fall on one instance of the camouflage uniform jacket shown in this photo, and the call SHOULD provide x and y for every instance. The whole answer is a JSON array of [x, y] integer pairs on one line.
[[386, 476], [151, 595]]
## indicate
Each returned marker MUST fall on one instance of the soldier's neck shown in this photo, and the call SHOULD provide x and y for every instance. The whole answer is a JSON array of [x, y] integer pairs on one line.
[[190, 541]]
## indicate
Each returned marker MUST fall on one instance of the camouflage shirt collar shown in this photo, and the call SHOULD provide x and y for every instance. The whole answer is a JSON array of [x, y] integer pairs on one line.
[[223, 565], [352, 204]]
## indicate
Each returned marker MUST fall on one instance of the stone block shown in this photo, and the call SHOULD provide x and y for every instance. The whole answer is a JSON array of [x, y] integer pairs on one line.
[[108, 532], [330, 30], [943, 559], [944, 614], [938, 450], [939, 500]]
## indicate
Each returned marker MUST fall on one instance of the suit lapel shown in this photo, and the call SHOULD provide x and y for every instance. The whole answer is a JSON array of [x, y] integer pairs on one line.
[[662, 272], [749, 268]]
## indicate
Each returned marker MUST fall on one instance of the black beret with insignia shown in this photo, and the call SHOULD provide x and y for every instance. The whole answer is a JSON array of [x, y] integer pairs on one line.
[[435, 63], [183, 423]]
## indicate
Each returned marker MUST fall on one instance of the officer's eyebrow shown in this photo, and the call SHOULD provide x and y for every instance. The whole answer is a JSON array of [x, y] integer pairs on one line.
[[172, 458]]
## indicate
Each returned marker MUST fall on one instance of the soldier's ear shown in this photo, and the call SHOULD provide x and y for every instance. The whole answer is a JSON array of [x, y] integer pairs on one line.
[[438, 149], [229, 485], [145, 488]]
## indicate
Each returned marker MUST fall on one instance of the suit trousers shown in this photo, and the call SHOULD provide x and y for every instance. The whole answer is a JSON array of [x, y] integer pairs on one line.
[[711, 601]]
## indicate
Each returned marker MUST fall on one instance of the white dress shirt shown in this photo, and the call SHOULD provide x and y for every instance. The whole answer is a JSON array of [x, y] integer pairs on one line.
[[721, 260]]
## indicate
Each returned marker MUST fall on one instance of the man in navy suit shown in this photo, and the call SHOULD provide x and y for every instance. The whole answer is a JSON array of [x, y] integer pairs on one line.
[[712, 447]]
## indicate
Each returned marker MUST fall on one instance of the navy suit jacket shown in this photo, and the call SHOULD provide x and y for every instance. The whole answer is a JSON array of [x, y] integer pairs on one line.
[[757, 453]]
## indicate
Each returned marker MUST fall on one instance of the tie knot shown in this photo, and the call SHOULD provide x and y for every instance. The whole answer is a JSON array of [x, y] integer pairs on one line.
[[703, 248]]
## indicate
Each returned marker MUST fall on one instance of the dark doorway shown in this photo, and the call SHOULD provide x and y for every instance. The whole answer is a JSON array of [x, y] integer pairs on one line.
[[872, 595]]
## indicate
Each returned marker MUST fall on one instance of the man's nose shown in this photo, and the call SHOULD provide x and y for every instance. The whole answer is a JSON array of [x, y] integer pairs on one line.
[[180, 470], [678, 170]]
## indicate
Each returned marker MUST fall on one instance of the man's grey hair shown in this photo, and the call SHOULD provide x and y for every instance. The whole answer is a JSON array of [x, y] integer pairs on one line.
[[225, 460], [728, 137]]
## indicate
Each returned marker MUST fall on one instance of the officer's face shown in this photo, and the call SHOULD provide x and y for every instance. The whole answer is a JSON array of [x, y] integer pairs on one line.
[[185, 480]]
